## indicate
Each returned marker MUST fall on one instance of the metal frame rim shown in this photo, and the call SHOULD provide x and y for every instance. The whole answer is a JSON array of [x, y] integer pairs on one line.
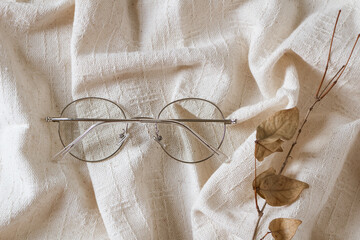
[[201, 99], [85, 98]]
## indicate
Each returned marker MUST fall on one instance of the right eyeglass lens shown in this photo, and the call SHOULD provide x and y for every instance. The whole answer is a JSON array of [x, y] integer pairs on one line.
[[181, 144], [102, 141]]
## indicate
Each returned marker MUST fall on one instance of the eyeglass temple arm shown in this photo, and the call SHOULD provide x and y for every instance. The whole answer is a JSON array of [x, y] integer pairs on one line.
[[209, 146], [68, 148], [141, 120]]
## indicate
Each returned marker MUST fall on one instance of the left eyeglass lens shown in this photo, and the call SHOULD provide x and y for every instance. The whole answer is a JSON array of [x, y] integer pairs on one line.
[[180, 143], [102, 141]]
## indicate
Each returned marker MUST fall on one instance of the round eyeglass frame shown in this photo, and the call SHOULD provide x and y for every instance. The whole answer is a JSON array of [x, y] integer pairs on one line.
[[158, 117], [200, 99], [99, 98]]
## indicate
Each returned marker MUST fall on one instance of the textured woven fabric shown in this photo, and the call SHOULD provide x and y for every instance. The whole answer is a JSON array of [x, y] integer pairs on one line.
[[251, 58]]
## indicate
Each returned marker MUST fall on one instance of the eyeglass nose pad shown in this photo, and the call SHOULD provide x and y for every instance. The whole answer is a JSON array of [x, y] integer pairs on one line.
[[158, 139], [123, 136]]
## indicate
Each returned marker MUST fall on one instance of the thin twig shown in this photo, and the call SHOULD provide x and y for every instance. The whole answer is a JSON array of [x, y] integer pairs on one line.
[[265, 236], [328, 59], [258, 221], [343, 69], [297, 136], [261, 145], [255, 191], [331, 81]]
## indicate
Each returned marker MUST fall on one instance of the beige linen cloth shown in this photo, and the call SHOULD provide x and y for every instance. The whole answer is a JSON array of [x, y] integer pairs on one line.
[[251, 58]]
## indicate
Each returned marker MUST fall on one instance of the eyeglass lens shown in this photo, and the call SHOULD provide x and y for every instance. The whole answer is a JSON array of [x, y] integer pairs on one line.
[[178, 142], [102, 141]]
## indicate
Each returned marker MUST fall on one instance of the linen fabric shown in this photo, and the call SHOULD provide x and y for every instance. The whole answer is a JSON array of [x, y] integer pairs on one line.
[[251, 58]]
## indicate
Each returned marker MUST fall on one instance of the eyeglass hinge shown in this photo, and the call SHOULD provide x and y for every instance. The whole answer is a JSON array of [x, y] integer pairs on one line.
[[233, 121]]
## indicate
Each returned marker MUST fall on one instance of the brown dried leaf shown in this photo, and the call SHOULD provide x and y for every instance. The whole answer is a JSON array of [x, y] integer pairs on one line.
[[263, 150], [284, 228], [259, 179], [278, 190], [281, 125], [271, 133]]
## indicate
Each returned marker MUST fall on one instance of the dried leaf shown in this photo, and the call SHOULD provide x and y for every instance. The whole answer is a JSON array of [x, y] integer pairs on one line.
[[278, 190], [271, 133], [284, 228], [281, 125], [263, 150], [258, 179]]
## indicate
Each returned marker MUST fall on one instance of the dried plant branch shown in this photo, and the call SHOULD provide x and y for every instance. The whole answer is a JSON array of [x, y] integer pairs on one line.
[[261, 213], [297, 136], [342, 69], [331, 81], [320, 94], [255, 191], [328, 59]]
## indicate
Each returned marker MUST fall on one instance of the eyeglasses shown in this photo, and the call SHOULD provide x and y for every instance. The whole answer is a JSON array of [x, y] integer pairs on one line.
[[189, 130]]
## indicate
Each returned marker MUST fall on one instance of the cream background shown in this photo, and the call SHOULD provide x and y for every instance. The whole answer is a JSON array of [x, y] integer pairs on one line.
[[251, 58]]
